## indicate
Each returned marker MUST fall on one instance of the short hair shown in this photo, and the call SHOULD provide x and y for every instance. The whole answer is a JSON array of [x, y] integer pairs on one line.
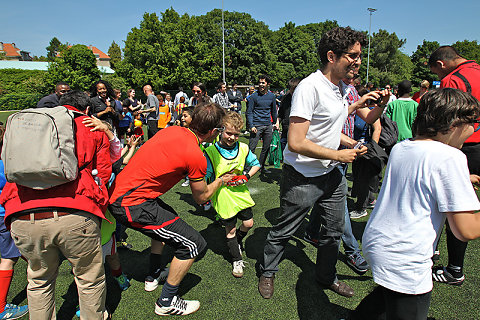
[[189, 110], [61, 83], [75, 98], [233, 119], [404, 87], [206, 117], [159, 97], [219, 85], [110, 92], [339, 40], [117, 91], [441, 109], [264, 76], [130, 91], [293, 83], [182, 99], [425, 84], [443, 53]]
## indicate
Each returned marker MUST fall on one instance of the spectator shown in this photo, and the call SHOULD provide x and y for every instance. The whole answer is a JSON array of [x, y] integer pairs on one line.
[[180, 93], [102, 99], [151, 106], [284, 111], [424, 85], [199, 95], [403, 110], [51, 100], [235, 97], [221, 97], [131, 103]]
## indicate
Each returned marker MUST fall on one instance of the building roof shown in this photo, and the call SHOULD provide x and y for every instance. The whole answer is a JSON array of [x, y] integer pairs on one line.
[[96, 52], [11, 50], [38, 65]]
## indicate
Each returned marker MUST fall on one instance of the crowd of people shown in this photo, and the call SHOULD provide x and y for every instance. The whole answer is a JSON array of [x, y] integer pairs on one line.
[[429, 144]]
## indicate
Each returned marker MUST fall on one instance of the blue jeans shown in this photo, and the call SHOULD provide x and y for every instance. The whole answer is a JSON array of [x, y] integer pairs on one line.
[[265, 133], [298, 194], [350, 244]]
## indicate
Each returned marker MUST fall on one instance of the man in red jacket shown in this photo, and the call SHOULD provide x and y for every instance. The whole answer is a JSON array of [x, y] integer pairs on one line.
[[64, 219], [459, 73]]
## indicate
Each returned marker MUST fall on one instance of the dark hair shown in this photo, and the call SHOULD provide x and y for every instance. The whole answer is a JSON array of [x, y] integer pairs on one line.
[[206, 117], [339, 40], [110, 92], [444, 53], [441, 109], [130, 91], [62, 83], [264, 76], [201, 86], [75, 98], [293, 83], [182, 99], [189, 110], [404, 87], [180, 88], [219, 85]]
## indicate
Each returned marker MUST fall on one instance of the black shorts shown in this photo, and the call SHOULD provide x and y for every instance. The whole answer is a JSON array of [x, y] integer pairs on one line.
[[157, 220], [245, 214]]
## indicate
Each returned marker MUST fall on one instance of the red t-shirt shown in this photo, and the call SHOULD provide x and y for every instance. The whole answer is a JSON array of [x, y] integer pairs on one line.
[[465, 77], [158, 165]]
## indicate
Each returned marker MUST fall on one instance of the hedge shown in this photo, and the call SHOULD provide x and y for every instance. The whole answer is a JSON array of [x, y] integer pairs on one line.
[[19, 101]]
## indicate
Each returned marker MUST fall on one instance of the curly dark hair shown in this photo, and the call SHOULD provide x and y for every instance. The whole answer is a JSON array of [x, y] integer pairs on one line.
[[441, 109], [110, 92], [338, 40]]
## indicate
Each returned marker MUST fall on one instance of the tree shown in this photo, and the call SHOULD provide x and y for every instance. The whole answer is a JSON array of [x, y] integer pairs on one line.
[[53, 48], [421, 69], [77, 66], [468, 49], [115, 54]]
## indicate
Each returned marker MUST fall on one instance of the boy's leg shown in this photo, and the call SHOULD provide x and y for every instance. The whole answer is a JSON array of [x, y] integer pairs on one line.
[[232, 241], [403, 306], [246, 216]]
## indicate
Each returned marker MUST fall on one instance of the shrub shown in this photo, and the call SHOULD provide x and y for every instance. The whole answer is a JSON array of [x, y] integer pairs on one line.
[[19, 101]]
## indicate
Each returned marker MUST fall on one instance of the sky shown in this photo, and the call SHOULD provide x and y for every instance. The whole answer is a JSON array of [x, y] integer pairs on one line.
[[32, 24]]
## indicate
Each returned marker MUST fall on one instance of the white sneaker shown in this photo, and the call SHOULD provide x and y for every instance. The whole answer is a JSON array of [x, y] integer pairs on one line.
[[238, 268], [178, 307], [186, 183], [152, 283], [357, 214]]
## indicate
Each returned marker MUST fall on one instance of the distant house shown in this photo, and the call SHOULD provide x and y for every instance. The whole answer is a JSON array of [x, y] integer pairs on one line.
[[35, 65], [103, 60], [13, 53]]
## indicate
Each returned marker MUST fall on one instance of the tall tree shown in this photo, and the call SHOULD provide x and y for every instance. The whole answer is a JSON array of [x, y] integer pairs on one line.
[[468, 49], [115, 54], [53, 48], [421, 69], [77, 66]]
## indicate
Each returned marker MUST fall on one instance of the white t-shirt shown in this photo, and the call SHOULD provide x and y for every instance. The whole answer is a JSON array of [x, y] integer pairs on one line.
[[423, 180], [325, 105]]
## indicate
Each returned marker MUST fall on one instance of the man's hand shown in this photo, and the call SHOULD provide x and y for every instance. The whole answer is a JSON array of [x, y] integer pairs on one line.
[[348, 155], [253, 130], [475, 180]]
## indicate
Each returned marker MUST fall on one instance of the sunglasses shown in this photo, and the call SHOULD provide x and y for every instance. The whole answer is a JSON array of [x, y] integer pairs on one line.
[[353, 56]]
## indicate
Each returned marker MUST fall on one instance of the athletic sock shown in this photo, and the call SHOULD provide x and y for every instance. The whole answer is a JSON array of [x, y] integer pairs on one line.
[[241, 235], [233, 248], [456, 254], [168, 292], [5, 280], [155, 265]]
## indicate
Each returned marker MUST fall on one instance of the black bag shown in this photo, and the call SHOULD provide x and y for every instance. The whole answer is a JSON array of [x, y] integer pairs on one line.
[[389, 133]]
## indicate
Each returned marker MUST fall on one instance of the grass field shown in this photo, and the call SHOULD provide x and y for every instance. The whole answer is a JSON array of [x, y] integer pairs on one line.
[[224, 297]]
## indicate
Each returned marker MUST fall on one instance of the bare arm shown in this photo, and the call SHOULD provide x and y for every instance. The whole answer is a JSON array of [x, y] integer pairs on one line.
[[201, 191], [298, 143], [346, 141], [464, 225], [377, 129]]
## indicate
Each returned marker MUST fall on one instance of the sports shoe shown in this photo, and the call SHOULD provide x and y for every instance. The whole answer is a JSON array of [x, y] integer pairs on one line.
[[357, 263], [186, 183], [357, 214], [441, 274], [123, 282], [207, 205], [436, 256], [238, 268], [152, 283], [308, 238], [372, 204], [12, 311], [265, 171], [178, 307], [123, 244]]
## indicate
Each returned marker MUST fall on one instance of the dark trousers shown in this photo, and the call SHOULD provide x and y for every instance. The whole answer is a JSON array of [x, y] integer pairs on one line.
[[365, 182], [152, 128], [265, 133], [325, 195], [383, 303]]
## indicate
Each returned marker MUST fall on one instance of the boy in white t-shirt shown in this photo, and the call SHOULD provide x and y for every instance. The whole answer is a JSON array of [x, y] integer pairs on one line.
[[426, 181]]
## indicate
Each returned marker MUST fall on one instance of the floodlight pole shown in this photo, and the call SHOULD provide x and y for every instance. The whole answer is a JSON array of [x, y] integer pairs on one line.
[[371, 10], [223, 44]]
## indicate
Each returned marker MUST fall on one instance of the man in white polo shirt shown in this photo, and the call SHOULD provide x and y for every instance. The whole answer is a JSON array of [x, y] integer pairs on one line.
[[310, 174]]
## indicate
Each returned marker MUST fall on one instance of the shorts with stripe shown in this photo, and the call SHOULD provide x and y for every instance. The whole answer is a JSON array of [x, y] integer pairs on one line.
[[157, 220]]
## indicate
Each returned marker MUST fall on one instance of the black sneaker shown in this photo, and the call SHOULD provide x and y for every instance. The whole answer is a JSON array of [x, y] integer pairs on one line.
[[308, 238], [441, 274], [357, 263]]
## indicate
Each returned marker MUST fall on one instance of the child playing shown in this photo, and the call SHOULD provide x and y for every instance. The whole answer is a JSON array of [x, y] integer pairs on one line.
[[426, 181], [233, 201]]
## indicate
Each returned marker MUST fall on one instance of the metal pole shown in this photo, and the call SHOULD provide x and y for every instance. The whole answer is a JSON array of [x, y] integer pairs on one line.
[[223, 44], [371, 10]]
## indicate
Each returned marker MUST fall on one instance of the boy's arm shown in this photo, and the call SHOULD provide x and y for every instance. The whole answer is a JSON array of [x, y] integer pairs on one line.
[[464, 225], [201, 191]]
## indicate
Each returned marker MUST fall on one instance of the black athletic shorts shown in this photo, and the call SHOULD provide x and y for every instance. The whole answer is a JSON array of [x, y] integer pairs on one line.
[[157, 220], [245, 214]]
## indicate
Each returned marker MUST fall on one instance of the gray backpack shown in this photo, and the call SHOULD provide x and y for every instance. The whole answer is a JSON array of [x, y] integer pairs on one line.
[[39, 148]]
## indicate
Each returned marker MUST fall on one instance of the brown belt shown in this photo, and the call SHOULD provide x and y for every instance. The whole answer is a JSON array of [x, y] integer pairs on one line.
[[40, 215]]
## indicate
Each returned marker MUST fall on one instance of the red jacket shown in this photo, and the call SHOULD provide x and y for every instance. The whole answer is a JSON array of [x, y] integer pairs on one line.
[[93, 149], [465, 77]]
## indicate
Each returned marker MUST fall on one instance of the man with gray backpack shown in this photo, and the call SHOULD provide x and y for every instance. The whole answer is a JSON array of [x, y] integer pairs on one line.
[[57, 207]]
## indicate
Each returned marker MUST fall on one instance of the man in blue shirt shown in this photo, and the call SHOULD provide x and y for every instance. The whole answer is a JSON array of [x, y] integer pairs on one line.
[[261, 113]]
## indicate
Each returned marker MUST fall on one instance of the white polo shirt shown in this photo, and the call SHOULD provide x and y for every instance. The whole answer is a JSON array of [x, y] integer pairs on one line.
[[325, 105]]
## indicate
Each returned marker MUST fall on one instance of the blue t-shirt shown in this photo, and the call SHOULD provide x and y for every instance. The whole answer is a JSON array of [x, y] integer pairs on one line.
[[250, 161], [127, 119]]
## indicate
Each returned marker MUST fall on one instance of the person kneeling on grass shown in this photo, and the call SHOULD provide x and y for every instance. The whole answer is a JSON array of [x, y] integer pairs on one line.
[[233, 200], [420, 189]]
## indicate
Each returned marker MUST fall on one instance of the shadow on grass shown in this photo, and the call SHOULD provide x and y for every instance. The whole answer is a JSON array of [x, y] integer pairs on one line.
[[214, 234], [187, 197], [20, 297], [272, 177]]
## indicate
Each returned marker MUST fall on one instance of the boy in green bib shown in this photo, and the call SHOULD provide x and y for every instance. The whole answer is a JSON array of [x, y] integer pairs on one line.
[[233, 200]]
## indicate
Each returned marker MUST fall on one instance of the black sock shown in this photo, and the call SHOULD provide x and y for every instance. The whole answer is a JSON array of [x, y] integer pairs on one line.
[[155, 265], [456, 254], [168, 292], [233, 248], [241, 234]]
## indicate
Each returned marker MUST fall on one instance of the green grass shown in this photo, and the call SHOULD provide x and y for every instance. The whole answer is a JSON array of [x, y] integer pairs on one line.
[[224, 297]]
